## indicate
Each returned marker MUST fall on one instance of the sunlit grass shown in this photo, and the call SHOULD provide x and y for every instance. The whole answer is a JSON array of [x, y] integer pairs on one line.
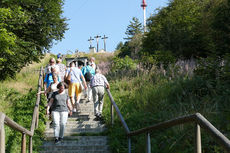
[[160, 95], [26, 80]]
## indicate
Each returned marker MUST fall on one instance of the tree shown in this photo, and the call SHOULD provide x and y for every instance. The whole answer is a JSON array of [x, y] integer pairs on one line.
[[176, 28], [28, 29], [220, 27], [119, 45], [133, 44], [134, 28]]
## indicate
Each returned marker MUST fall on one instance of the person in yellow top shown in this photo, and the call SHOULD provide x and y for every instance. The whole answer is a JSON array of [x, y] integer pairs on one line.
[[75, 83]]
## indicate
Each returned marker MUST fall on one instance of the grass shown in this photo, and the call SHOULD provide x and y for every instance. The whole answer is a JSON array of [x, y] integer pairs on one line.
[[151, 98], [99, 57], [17, 101]]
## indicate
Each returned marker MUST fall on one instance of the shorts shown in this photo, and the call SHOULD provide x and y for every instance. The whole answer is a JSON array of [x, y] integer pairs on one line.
[[74, 88]]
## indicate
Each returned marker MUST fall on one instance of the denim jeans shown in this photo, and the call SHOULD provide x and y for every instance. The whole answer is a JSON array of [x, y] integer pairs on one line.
[[59, 119]]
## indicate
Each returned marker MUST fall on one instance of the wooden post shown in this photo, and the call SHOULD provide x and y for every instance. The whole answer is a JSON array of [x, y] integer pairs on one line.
[[37, 119], [148, 144], [23, 147], [30, 145], [112, 114], [129, 144], [2, 133], [198, 139]]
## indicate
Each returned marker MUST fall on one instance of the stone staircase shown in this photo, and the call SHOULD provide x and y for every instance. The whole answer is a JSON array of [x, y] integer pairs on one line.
[[82, 134]]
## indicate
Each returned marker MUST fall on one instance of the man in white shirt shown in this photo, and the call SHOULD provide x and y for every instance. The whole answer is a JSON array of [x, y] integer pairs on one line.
[[98, 83]]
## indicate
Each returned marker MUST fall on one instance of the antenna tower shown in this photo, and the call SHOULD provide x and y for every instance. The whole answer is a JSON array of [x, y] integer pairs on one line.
[[144, 5]]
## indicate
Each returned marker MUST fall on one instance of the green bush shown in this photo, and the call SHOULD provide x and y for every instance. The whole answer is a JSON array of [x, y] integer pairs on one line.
[[126, 63]]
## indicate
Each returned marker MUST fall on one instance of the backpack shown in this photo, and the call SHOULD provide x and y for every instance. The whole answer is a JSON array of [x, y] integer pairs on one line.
[[88, 76]]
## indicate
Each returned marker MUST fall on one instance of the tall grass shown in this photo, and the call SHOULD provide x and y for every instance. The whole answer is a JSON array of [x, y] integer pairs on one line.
[[17, 100], [159, 95]]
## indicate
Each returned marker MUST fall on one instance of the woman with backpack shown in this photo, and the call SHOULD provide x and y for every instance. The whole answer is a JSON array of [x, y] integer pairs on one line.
[[88, 72]]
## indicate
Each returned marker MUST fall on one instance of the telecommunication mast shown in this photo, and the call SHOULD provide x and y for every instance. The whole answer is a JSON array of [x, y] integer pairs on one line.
[[144, 5]]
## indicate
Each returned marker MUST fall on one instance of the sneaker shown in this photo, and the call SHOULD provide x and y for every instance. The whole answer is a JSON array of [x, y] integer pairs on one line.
[[56, 141], [74, 110], [78, 106], [60, 139], [96, 118], [51, 124], [100, 116]]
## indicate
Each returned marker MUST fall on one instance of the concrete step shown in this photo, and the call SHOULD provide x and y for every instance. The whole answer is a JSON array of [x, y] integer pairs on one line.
[[71, 131], [82, 113], [83, 125], [81, 140], [67, 148], [80, 144], [75, 149], [75, 152], [90, 122]]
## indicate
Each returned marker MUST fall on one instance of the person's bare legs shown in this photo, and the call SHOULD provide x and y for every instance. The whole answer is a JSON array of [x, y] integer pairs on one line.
[[78, 101], [72, 102]]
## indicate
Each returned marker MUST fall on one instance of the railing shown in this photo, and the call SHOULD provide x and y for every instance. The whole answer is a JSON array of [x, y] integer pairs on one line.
[[9, 122], [197, 118]]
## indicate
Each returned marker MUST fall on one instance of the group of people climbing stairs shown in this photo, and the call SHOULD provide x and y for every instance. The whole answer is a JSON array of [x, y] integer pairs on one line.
[[72, 116]]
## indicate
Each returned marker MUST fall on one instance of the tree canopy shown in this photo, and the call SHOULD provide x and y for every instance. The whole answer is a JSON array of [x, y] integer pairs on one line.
[[133, 28], [187, 29], [133, 42], [190, 28], [27, 31]]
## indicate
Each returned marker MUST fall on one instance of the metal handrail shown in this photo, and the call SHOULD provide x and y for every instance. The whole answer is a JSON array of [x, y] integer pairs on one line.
[[197, 118], [9, 122]]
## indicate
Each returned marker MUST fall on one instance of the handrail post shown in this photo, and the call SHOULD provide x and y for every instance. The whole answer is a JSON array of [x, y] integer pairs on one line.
[[36, 108], [31, 145], [129, 144], [148, 144], [198, 139], [23, 148], [37, 119], [2, 133], [112, 113]]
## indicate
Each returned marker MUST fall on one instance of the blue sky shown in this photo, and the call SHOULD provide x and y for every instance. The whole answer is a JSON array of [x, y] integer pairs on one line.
[[100, 17]]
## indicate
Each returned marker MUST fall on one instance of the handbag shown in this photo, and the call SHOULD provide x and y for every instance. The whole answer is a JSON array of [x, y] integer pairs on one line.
[[67, 79]]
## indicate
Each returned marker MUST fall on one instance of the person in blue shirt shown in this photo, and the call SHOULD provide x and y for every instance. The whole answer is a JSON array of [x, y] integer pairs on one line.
[[59, 55], [88, 72], [49, 78]]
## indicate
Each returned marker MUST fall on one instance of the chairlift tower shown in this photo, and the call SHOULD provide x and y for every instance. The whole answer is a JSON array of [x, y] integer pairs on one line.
[[144, 5]]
